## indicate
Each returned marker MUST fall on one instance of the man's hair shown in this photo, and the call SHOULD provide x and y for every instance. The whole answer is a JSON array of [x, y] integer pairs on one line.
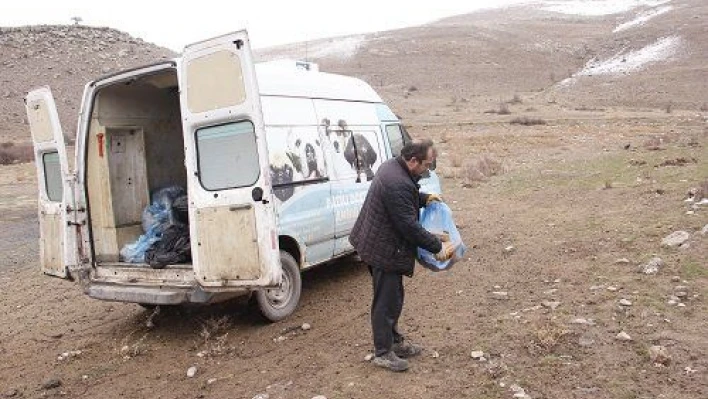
[[417, 148]]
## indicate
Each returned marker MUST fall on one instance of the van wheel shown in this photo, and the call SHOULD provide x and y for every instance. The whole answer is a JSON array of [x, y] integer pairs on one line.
[[275, 304]]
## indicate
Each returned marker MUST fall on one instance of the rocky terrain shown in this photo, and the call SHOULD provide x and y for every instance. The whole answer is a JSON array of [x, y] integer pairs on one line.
[[573, 153]]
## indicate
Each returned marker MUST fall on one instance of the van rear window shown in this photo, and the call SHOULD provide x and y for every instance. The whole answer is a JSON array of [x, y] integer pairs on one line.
[[52, 176], [227, 156]]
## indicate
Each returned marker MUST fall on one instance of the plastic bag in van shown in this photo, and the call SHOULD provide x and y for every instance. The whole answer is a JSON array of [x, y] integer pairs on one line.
[[157, 217], [437, 219]]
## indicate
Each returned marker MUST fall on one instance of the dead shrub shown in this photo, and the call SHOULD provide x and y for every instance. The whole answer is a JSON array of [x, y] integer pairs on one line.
[[653, 143], [214, 333], [669, 108], [481, 169], [11, 153], [503, 109], [547, 337], [526, 121], [704, 107], [456, 161], [516, 99]]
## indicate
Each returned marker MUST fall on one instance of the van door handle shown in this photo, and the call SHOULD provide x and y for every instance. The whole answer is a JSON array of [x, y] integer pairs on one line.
[[239, 207]]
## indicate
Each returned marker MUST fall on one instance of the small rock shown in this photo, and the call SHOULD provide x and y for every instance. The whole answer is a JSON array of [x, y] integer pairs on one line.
[[625, 302], [659, 355], [682, 288], [211, 381], [681, 305], [675, 279], [622, 261], [11, 393], [612, 288], [704, 230], [689, 370], [551, 291], [586, 342], [262, 396], [435, 355], [319, 397], [681, 294], [509, 249], [557, 280], [306, 326], [652, 267], [675, 239], [623, 336], [500, 295], [51, 383], [551, 304], [477, 354], [596, 287], [369, 357], [192, 371]]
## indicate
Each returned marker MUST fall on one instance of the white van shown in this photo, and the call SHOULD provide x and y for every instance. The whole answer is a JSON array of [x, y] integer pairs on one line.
[[275, 158]]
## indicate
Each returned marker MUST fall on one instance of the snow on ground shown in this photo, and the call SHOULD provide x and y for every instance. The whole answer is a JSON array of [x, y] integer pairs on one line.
[[642, 18], [344, 47], [598, 7], [626, 63]]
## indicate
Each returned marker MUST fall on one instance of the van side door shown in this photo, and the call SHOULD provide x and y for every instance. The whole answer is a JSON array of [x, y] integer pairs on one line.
[[232, 215], [56, 244]]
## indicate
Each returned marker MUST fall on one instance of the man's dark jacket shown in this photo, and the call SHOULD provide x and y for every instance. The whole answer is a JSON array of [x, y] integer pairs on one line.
[[387, 231]]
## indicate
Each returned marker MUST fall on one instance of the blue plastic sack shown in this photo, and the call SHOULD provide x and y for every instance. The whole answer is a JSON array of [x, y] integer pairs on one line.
[[437, 219], [157, 217]]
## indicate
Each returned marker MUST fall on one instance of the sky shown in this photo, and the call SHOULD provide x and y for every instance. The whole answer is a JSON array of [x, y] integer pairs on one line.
[[268, 22]]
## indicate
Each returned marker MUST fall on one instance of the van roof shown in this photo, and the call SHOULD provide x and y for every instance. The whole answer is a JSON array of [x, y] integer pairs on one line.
[[287, 79]]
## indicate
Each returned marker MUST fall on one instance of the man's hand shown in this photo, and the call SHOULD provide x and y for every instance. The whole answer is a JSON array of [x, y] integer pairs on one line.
[[446, 253], [433, 198]]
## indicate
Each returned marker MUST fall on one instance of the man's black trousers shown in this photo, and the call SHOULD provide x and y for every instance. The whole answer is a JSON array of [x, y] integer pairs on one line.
[[386, 308]]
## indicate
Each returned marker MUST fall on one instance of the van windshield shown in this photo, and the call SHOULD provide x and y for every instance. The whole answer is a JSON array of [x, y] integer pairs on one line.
[[227, 156]]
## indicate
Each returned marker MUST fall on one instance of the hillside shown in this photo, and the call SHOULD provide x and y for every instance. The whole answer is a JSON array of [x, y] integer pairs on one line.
[[64, 58]]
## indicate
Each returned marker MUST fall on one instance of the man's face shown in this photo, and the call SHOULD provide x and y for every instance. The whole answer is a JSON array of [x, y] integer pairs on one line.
[[420, 167]]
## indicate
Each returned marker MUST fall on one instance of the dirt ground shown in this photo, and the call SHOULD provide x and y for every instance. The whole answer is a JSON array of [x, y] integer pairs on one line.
[[556, 239]]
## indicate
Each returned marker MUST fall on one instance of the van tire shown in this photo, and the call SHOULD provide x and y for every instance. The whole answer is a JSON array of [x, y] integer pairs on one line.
[[276, 304]]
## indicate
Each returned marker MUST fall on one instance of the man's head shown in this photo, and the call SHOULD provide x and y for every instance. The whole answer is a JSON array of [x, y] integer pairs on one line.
[[419, 155]]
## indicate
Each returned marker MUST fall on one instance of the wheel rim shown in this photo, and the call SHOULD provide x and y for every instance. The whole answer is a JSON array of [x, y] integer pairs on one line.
[[280, 297]]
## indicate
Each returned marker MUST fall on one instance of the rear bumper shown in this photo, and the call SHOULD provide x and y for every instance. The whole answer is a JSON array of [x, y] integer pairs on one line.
[[157, 295]]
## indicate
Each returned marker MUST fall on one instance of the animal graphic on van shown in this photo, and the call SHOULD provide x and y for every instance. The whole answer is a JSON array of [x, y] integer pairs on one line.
[[360, 155], [281, 174]]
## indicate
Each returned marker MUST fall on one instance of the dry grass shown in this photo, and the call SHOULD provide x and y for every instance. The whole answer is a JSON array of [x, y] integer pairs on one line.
[[526, 121]]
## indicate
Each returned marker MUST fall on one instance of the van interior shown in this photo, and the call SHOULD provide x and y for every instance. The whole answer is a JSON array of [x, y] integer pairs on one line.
[[135, 147]]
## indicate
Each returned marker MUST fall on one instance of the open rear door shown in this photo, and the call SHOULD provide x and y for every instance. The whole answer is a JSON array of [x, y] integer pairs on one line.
[[55, 190], [232, 216]]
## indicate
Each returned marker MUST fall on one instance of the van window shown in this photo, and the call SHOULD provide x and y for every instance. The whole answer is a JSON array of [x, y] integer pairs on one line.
[[395, 139], [52, 176], [227, 156]]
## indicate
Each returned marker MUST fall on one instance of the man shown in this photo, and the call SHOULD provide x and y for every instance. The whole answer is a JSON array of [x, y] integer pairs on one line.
[[386, 235]]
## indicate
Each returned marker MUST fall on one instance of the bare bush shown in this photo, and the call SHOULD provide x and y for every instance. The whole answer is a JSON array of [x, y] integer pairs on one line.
[[653, 143], [704, 107], [481, 169], [503, 109], [516, 99], [11, 153], [526, 121], [456, 160], [669, 108]]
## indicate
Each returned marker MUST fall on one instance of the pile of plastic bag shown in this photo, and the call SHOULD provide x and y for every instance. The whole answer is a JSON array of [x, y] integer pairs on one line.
[[166, 238], [437, 219]]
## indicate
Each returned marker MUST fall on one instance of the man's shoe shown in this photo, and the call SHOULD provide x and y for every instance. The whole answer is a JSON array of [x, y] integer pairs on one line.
[[391, 362], [406, 349]]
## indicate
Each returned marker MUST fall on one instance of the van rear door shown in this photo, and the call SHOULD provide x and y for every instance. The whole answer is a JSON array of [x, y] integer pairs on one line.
[[55, 188], [232, 215]]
